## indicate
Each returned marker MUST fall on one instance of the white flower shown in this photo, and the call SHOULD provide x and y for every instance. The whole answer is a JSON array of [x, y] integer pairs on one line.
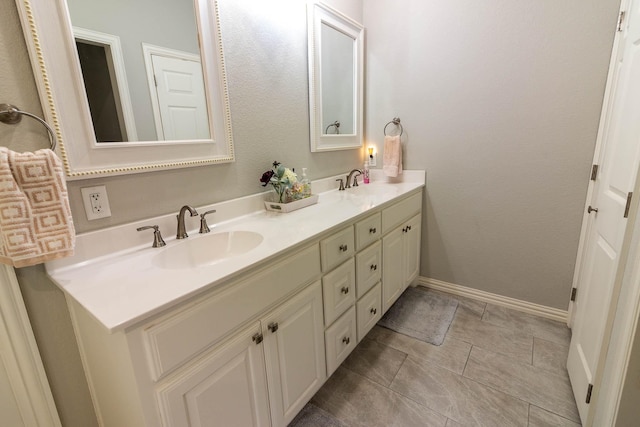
[[289, 176]]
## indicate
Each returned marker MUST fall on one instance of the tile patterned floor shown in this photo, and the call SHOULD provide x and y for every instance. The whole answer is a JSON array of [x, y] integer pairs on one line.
[[497, 367]]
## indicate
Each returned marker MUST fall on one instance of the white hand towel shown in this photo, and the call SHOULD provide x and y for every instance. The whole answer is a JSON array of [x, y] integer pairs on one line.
[[392, 157], [35, 219]]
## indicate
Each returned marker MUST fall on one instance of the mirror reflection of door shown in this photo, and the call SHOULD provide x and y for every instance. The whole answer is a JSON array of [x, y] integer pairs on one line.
[[179, 93], [176, 86], [134, 24], [338, 81]]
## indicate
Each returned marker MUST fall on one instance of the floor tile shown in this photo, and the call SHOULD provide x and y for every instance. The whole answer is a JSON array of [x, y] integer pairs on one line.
[[375, 361], [358, 401], [468, 328], [465, 401], [538, 417], [312, 416], [452, 354], [471, 305], [550, 356], [539, 327], [537, 386]]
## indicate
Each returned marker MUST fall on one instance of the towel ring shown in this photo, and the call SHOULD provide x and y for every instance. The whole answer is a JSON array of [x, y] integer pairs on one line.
[[395, 121], [335, 124], [11, 115]]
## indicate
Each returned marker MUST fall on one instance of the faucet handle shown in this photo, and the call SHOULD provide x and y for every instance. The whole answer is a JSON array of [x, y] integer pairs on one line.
[[341, 184], [204, 228], [355, 179], [158, 242]]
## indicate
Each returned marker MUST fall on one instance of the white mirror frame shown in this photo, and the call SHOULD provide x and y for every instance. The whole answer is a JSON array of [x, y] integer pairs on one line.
[[317, 15], [50, 40]]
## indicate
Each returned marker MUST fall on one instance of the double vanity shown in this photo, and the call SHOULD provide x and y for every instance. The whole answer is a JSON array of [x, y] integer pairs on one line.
[[244, 324]]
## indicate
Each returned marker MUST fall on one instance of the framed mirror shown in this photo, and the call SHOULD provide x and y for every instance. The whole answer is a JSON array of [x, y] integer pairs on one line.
[[335, 79], [130, 90]]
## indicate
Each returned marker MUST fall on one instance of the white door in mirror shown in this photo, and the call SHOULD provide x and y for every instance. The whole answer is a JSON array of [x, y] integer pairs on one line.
[[96, 202]]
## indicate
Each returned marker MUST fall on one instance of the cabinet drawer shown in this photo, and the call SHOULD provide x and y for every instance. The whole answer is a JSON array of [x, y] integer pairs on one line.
[[368, 231], [340, 340], [339, 291], [172, 341], [401, 211], [369, 311], [337, 248], [368, 268]]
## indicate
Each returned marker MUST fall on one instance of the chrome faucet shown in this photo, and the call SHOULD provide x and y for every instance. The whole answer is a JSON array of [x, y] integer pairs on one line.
[[182, 233], [355, 179]]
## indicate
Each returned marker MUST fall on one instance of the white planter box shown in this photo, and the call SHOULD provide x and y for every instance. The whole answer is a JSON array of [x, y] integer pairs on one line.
[[291, 206]]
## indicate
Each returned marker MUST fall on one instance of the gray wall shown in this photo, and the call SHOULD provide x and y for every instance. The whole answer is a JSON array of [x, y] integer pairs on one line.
[[500, 103], [166, 23]]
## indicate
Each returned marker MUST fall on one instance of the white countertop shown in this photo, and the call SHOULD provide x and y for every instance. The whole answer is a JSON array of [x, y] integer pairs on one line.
[[114, 278]]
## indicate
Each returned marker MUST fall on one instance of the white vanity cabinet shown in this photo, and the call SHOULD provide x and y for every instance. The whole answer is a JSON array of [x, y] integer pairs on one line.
[[255, 348]]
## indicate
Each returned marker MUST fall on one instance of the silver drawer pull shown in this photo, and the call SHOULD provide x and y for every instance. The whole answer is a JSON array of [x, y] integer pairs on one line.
[[346, 340], [345, 290], [257, 338], [374, 267], [372, 230], [373, 310], [343, 248]]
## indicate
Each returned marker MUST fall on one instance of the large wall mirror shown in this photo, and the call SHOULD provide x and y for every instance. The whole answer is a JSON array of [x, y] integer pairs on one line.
[[335, 79], [131, 86]]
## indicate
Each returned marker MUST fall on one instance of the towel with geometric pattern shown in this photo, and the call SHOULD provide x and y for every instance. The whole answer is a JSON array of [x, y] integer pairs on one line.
[[35, 219]]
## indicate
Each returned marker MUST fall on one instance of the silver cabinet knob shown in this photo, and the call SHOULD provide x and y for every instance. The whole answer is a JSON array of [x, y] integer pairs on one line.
[[372, 230], [590, 209], [273, 327], [373, 310], [374, 267], [343, 248], [257, 338], [345, 290], [346, 340]]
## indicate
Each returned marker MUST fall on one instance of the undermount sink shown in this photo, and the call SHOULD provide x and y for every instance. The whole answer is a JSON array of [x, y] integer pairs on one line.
[[207, 249]]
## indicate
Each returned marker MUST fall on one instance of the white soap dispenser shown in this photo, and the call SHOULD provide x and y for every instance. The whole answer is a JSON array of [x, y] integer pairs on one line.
[[306, 184]]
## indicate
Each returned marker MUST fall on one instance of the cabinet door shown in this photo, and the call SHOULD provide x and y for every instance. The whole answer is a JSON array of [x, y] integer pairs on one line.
[[392, 267], [294, 353], [411, 250], [227, 387]]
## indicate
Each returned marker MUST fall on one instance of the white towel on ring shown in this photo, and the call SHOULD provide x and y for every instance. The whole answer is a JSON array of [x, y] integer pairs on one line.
[[392, 157]]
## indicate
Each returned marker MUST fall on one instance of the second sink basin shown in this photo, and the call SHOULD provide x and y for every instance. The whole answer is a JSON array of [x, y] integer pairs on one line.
[[208, 249]]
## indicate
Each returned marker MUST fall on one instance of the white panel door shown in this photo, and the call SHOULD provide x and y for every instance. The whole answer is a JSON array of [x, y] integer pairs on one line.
[[181, 98], [228, 387], [294, 353], [617, 177], [392, 268], [411, 250]]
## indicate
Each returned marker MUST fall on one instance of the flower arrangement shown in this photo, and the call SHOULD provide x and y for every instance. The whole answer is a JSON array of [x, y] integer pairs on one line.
[[283, 180]]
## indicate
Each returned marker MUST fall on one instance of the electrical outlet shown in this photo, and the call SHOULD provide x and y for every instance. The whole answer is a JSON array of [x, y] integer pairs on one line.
[[372, 159], [96, 202]]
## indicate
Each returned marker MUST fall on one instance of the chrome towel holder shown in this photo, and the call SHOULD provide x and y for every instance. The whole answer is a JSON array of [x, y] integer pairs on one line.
[[395, 121], [11, 115], [336, 125]]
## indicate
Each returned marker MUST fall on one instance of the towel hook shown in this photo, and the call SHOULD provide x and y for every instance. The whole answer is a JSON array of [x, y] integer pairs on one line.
[[11, 115], [395, 121]]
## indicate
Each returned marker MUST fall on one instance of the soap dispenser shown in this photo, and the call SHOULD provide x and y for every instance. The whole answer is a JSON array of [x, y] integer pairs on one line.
[[365, 172], [306, 184]]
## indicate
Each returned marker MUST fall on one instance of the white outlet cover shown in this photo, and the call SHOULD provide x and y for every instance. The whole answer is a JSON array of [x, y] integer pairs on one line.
[[104, 211]]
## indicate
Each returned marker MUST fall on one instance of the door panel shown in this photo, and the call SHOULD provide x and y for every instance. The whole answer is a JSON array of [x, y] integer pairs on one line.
[[181, 98], [619, 160]]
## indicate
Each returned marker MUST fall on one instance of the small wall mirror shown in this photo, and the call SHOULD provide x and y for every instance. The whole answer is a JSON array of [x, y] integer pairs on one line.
[[335, 79], [130, 86]]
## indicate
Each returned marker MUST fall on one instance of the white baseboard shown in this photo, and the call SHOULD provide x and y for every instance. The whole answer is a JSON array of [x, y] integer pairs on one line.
[[515, 304]]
